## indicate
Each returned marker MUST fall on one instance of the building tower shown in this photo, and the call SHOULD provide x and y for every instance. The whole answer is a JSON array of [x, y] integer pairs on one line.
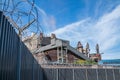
[[97, 49], [40, 37], [87, 49], [80, 47], [98, 55]]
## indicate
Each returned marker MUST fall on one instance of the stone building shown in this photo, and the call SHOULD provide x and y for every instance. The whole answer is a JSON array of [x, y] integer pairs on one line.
[[55, 50]]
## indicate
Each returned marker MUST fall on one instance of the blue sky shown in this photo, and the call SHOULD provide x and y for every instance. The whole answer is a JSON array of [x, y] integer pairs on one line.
[[69, 11], [93, 21]]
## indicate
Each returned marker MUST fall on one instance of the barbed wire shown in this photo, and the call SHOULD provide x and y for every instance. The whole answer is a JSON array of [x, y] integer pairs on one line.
[[22, 12]]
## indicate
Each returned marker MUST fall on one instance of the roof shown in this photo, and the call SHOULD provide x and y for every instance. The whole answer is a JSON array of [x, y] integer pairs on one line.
[[45, 41], [57, 43]]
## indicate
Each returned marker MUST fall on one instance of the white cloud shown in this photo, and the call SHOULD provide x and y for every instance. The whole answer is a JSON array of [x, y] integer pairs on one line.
[[48, 22], [104, 31]]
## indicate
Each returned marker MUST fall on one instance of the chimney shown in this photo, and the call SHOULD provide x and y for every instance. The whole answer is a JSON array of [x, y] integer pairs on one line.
[[53, 39], [53, 36], [41, 35]]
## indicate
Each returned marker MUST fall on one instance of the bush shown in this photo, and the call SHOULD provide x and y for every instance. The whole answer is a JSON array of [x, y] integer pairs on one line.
[[85, 62]]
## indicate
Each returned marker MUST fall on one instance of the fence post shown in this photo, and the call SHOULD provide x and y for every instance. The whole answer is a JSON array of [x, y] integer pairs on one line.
[[73, 74], [19, 60], [113, 74], [86, 74], [106, 74], [97, 74], [57, 74]]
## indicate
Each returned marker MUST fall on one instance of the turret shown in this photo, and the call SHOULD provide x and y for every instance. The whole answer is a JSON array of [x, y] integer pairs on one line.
[[87, 45], [87, 51], [80, 47], [97, 48]]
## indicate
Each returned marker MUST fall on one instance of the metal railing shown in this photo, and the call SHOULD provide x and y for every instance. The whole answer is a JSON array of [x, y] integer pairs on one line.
[[70, 65]]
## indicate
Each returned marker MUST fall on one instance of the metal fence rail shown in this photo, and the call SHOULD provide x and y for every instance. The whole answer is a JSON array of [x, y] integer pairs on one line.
[[16, 61], [80, 74], [68, 65]]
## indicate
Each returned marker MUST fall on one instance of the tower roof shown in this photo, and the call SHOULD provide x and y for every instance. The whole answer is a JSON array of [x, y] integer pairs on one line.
[[79, 45], [97, 48], [87, 45]]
